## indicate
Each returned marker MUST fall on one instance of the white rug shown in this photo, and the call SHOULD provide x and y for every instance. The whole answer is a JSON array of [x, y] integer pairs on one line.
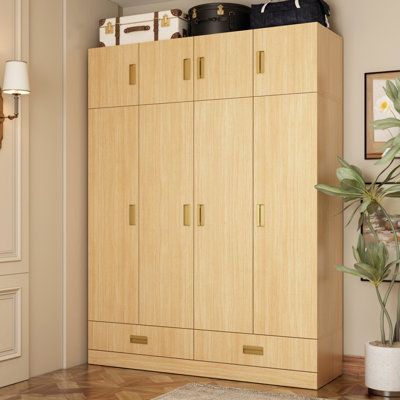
[[210, 392]]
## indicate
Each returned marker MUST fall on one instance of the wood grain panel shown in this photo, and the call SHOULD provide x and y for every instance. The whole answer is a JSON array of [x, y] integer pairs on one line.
[[223, 246], [278, 352], [290, 59], [199, 368], [161, 73], [113, 187], [166, 244], [285, 254], [227, 65], [109, 80], [162, 342], [330, 242]]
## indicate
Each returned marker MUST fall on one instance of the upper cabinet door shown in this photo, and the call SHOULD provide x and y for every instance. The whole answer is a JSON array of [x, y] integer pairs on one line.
[[223, 65], [166, 215], [285, 235], [113, 202], [285, 60], [113, 76], [223, 234], [166, 71]]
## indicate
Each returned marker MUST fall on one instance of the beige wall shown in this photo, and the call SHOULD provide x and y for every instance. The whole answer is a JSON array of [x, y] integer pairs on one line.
[[370, 31], [61, 31], [14, 213]]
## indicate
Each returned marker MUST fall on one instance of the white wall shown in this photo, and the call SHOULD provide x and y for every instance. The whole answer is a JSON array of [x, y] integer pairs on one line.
[[371, 34]]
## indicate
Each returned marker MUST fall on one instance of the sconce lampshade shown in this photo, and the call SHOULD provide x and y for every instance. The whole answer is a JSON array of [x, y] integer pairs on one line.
[[16, 79]]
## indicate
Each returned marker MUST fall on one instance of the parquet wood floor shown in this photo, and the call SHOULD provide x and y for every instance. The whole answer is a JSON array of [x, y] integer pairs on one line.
[[95, 382]]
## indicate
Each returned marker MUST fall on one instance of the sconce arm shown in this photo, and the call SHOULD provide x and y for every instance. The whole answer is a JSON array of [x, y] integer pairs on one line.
[[16, 110]]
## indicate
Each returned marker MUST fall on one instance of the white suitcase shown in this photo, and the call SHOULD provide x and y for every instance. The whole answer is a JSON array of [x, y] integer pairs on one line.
[[149, 27]]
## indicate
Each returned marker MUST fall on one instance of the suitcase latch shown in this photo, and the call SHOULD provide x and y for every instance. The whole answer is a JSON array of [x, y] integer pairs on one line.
[[220, 10], [165, 21], [109, 29]]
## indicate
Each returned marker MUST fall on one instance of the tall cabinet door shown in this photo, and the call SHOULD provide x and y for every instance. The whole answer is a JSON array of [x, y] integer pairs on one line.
[[285, 59], [166, 215], [166, 72], [113, 76], [223, 199], [224, 65], [285, 255], [113, 199]]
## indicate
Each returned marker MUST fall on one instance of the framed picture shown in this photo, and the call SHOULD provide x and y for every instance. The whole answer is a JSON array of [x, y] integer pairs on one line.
[[381, 226], [378, 106]]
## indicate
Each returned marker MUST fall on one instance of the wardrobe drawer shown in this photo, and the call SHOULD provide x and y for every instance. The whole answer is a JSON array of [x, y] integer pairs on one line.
[[138, 339], [256, 350]]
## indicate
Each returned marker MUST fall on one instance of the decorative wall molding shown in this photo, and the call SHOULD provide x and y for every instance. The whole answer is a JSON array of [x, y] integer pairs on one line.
[[14, 254], [10, 304]]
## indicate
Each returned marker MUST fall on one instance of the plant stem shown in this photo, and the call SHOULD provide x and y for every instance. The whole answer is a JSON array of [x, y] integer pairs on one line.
[[396, 270], [384, 310], [382, 318]]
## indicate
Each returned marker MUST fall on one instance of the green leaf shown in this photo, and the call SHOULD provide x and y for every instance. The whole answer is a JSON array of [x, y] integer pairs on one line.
[[389, 156], [392, 189], [345, 173], [335, 191], [364, 205], [391, 90], [387, 123], [347, 270]]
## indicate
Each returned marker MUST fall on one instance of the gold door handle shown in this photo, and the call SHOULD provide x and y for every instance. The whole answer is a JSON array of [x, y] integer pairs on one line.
[[138, 339], [186, 215], [200, 67], [132, 215], [186, 69], [132, 74], [260, 215], [253, 350], [260, 62], [200, 215]]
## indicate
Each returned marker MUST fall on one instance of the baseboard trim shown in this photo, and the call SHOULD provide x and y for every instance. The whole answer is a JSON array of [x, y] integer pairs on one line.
[[354, 365]]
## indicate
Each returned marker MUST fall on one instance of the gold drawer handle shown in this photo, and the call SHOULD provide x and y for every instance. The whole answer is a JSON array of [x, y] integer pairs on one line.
[[253, 350], [200, 68], [132, 74], [138, 339], [260, 62], [132, 215], [260, 215], [200, 215], [186, 69], [186, 215]]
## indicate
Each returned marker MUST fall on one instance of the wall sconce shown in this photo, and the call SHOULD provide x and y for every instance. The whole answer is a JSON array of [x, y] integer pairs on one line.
[[16, 82]]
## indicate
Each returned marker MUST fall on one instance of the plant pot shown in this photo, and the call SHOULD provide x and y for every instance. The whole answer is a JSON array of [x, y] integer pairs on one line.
[[382, 370]]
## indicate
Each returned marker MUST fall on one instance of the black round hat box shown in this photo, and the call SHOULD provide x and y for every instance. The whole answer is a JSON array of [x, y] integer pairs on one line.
[[211, 18]]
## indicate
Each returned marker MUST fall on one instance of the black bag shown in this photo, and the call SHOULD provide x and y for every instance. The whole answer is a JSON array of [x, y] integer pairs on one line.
[[218, 17], [289, 12]]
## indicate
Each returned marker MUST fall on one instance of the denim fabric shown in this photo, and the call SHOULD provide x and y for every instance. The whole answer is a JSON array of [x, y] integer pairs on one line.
[[286, 13]]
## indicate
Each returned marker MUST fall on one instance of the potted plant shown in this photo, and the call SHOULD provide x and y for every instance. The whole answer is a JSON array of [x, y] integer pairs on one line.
[[372, 260]]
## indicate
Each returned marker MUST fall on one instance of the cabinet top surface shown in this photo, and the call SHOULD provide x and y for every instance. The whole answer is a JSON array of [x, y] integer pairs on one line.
[[295, 26]]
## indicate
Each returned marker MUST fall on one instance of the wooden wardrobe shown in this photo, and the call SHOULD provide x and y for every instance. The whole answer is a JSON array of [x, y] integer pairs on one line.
[[210, 251]]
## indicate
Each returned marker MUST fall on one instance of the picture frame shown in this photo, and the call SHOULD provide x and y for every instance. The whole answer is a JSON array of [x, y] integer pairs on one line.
[[392, 205], [374, 139]]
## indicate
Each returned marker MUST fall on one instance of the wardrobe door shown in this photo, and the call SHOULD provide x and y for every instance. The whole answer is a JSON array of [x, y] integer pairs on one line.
[[224, 65], [113, 76], [285, 59], [113, 199], [223, 199], [285, 248], [166, 73], [166, 215]]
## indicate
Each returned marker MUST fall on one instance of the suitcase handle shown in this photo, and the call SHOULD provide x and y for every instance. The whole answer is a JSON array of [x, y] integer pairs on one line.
[[296, 2], [137, 28]]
